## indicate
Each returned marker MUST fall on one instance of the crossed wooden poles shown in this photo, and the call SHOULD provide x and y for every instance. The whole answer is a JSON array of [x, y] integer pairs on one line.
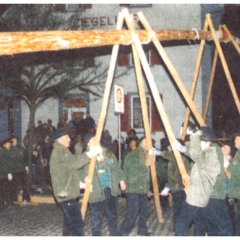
[[140, 58], [23, 42]]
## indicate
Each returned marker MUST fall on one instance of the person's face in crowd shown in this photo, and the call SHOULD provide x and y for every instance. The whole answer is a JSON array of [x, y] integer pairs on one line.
[[226, 150], [133, 144], [47, 138], [7, 145], [143, 144], [14, 141], [79, 139], [237, 142], [65, 140], [205, 145]]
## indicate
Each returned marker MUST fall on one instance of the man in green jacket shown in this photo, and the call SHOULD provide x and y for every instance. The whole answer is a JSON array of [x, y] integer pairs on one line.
[[8, 168], [21, 165], [64, 170], [234, 179], [105, 188], [218, 222], [203, 176], [137, 174]]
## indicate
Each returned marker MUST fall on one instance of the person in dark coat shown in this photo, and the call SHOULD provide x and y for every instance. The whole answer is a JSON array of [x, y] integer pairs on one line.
[[21, 164]]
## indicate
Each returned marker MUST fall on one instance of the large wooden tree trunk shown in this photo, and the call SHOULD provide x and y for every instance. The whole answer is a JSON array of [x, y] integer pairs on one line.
[[23, 42]]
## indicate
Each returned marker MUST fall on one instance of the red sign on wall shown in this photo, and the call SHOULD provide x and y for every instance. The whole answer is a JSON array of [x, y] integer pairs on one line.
[[77, 102]]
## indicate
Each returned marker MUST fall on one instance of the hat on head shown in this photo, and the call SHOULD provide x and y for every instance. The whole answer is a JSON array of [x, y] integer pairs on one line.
[[164, 143], [140, 139], [6, 141], [207, 134], [59, 132], [236, 134], [86, 139]]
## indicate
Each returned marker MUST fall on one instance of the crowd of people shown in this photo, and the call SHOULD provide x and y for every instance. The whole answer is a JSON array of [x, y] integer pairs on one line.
[[61, 157]]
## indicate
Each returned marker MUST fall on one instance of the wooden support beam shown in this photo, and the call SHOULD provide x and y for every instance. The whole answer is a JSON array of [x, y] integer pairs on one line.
[[210, 84], [158, 101], [194, 82], [147, 129], [224, 64], [102, 116], [24, 42]]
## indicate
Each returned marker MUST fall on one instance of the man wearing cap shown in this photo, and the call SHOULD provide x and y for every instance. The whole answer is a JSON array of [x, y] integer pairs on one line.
[[65, 180], [233, 173], [203, 176], [137, 172], [8, 169], [105, 188], [20, 162]]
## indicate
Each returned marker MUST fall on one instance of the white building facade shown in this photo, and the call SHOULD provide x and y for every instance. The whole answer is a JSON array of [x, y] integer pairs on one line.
[[183, 57]]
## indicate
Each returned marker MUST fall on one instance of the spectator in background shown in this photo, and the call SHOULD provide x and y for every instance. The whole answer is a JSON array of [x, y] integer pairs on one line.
[[78, 147], [21, 165], [50, 126], [106, 140], [46, 151], [89, 122]]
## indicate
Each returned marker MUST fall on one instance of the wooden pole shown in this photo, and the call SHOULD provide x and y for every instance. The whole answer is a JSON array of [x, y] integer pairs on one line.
[[210, 84], [158, 101], [225, 67], [23, 42], [102, 116], [144, 108], [194, 82], [174, 73]]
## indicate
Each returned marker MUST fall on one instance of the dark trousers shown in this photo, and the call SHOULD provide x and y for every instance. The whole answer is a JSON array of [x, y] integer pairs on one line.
[[238, 218], [109, 205], [218, 221], [19, 180], [72, 219], [137, 203], [8, 191], [179, 198], [188, 215]]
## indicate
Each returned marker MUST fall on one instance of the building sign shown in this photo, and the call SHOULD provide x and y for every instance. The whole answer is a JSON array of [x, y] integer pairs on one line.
[[119, 99], [75, 102]]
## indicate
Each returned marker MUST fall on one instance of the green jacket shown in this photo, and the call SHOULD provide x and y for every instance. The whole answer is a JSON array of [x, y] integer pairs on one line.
[[64, 172], [204, 173], [7, 165], [136, 172], [116, 175], [219, 189], [234, 182], [20, 160], [174, 176], [161, 167]]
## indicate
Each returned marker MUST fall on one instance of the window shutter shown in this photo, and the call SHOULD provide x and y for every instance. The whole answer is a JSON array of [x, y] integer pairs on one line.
[[155, 58], [85, 6], [123, 56], [60, 7], [157, 125], [125, 117]]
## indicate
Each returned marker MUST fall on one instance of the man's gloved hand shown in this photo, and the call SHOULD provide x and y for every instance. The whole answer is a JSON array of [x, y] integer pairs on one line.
[[27, 170], [10, 177], [154, 151], [94, 151], [177, 145]]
